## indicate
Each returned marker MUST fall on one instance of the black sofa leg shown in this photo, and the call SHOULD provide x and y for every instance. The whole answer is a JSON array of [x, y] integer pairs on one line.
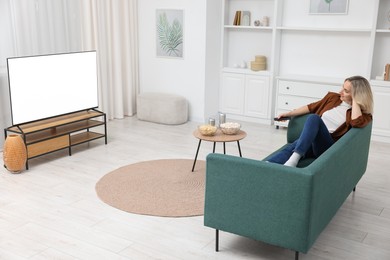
[[216, 240], [217, 244], [354, 189]]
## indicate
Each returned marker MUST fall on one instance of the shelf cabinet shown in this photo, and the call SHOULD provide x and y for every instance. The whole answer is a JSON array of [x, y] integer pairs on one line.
[[245, 95], [313, 53], [62, 132], [243, 43], [381, 122]]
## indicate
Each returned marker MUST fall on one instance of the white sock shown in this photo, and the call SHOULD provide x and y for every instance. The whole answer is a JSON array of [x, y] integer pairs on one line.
[[294, 159]]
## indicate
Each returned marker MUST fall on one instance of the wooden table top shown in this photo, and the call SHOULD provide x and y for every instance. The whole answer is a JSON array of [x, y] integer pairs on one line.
[[220, 137]]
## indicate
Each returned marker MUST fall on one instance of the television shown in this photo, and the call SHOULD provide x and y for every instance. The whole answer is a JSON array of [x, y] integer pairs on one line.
[[46, 86]]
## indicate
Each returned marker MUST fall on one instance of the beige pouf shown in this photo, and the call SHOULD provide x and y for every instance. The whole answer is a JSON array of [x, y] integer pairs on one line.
[[162, 108]]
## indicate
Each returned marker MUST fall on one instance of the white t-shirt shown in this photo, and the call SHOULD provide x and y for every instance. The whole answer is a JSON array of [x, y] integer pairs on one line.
[[336, 116]]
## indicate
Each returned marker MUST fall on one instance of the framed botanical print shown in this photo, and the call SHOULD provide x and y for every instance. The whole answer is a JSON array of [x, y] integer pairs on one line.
[[169, 33]]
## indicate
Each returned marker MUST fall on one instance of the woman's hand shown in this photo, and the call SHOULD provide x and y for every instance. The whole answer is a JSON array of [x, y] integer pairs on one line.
[[283, 117], [356, 109], [296, 112]]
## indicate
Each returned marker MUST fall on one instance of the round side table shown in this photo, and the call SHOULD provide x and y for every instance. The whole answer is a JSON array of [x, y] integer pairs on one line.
[[219, 137]]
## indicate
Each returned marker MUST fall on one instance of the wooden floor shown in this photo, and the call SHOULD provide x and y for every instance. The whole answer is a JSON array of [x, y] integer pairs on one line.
[[52, 211]]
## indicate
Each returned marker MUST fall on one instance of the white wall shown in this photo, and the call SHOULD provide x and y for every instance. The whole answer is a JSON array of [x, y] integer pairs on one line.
[[184, 76], [350, 51], [213, 57]]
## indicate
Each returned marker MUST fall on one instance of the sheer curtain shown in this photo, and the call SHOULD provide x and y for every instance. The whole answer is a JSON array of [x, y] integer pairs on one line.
[[45, 26], [31, 28], [111, 28]]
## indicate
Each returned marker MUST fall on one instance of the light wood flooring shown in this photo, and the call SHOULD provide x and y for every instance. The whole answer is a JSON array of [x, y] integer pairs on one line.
[[52, 211]]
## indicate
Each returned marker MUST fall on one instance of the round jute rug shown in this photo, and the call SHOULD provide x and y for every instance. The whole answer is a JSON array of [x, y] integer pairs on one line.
[[160, 188]]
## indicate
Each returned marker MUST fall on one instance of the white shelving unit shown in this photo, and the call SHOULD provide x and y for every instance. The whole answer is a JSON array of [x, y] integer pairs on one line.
[[380, 57], [247, 94], [304, 50]]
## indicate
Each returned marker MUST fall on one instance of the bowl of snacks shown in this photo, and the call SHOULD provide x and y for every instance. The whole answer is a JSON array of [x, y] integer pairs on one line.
[[230, 128], [207, 130]]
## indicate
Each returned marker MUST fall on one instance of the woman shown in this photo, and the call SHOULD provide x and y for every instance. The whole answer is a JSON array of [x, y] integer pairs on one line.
[[331, 118]]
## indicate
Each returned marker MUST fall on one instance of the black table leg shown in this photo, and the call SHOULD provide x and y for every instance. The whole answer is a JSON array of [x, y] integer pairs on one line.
[[196, 155], [224, 148], [214, 147], [239, 148]]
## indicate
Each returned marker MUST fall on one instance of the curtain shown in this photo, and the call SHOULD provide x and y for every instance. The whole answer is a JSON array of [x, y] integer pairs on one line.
[[111, 28], [33, 27]]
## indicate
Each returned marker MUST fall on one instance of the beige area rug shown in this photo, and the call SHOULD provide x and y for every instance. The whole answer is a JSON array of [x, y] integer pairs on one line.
[[160, 188]]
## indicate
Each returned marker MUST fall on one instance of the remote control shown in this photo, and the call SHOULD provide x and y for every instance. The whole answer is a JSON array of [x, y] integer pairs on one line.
[[282, 118]]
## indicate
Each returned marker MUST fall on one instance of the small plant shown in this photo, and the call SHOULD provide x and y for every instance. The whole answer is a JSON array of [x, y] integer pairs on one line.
[[170, 36]]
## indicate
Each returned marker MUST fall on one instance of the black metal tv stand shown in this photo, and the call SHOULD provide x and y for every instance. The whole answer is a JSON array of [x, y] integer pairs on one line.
[[62, 132]]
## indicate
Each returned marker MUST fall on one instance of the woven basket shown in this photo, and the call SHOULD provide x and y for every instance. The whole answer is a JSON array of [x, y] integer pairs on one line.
[[260, 63], [14, 153], [260, 58], [256, 66]]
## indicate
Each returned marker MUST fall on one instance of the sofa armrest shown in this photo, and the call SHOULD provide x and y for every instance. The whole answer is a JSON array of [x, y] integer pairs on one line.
[[295, 127], [264, 201], [335, 173]]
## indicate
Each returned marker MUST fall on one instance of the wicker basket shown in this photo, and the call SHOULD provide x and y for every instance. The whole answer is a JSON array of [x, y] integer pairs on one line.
[[14, 153], [260, 63]]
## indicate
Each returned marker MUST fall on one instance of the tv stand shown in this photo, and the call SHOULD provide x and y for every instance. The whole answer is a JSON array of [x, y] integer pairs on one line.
[[62, 132]]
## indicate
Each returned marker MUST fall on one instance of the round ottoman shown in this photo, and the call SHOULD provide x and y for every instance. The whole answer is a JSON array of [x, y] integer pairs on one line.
[[162, 108]]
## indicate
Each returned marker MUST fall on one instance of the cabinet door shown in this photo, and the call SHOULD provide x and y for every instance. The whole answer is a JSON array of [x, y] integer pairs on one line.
[[257, 96], [232, 93], [381, 119]]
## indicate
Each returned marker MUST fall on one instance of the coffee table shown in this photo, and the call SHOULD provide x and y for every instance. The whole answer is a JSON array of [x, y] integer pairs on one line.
[[219, 137]]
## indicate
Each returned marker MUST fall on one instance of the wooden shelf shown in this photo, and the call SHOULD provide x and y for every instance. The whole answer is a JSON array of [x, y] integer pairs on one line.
[[56, 121], [323, 29], [61, 130], [84, 137], [241, 27], [50, 135]]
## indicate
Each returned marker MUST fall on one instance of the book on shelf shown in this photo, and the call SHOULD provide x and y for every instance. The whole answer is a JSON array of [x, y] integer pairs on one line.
[[242, 18], [237, 18], [245, 18], [387, 72]]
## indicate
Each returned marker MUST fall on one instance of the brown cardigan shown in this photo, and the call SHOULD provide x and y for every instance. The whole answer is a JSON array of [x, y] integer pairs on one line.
[[332, 100]]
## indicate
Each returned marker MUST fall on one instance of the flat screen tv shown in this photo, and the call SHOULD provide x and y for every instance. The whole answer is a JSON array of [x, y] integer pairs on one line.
[[45, 86]]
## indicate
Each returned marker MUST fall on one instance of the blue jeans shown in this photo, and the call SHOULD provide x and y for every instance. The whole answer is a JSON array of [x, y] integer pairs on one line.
[[314, 140]]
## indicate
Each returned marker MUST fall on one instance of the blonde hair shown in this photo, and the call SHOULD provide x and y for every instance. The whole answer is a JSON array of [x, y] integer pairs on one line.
[[361, 93]]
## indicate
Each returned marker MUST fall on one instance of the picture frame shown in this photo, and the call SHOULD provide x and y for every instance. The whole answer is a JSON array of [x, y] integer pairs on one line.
[[169, 33], [328, 7]]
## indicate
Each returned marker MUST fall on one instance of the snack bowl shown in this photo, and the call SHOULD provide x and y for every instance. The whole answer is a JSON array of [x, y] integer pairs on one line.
[[208, 130], [230, 128]]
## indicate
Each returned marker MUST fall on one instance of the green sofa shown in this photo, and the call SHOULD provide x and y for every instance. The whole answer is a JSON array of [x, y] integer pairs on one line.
[[279, 205]]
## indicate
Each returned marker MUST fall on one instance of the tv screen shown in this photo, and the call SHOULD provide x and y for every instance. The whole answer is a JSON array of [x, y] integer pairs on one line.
[[50, 85]]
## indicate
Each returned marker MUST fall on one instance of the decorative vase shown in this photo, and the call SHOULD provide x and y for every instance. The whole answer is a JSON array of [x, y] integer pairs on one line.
[[14, 153]]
